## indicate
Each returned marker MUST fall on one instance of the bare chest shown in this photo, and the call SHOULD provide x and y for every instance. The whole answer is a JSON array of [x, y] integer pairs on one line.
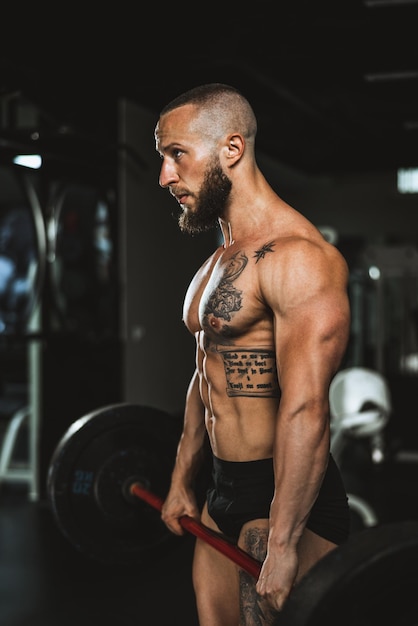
[[224, 300]]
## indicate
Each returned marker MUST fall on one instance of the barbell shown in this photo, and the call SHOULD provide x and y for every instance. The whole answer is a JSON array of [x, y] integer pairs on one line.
[[106, 484]]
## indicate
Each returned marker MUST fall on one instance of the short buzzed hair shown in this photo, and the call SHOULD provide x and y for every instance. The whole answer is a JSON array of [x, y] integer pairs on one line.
[[228, 109]]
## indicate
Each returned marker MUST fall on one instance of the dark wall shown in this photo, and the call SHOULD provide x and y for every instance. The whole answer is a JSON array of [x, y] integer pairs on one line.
[[361, 206]]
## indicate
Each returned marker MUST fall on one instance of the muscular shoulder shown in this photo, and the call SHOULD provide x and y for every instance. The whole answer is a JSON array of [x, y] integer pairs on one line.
[[298, 268]]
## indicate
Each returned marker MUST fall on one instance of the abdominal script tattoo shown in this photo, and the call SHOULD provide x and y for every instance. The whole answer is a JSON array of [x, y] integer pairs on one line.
[[251, 372]]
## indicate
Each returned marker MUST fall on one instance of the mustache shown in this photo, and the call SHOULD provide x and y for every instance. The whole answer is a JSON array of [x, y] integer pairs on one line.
[[177, 192]]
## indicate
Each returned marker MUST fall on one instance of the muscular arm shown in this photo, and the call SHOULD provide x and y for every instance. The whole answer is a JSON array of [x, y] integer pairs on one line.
[[181, 499], [311, 314]]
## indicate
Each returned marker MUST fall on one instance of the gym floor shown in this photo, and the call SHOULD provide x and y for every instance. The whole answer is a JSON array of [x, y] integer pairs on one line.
[[45, 581]]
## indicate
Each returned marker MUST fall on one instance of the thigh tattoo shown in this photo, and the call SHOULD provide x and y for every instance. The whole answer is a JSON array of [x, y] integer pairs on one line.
[[254, 610]]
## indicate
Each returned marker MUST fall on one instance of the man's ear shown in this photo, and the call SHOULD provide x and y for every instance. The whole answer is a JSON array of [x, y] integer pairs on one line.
[[233, 149]]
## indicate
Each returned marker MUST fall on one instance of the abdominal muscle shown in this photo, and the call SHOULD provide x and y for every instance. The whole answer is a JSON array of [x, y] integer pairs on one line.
[[241, 396]]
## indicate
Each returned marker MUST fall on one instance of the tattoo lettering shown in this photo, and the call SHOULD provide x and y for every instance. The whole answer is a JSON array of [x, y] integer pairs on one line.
[[261, 253], [226, 299], [251, 372]]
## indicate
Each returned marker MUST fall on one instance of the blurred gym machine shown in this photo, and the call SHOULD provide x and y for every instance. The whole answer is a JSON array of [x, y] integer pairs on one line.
[[59, 342], [384, 303], [383, 292], [22, 267], [360, 409], [384, 332]]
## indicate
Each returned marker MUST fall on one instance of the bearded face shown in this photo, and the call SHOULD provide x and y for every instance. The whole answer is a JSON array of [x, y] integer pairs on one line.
[[211, 201]]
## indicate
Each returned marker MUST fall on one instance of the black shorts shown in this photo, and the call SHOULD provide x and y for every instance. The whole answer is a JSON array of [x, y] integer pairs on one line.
[[243, 491]]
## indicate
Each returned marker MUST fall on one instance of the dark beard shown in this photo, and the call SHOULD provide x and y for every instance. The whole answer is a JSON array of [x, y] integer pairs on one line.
[[211, 202]]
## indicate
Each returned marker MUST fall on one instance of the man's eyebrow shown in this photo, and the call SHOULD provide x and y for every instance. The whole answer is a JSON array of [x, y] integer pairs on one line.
[[174, 145]]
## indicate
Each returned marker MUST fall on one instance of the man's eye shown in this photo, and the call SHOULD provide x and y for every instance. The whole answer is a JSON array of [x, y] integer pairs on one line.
[[177, 153]]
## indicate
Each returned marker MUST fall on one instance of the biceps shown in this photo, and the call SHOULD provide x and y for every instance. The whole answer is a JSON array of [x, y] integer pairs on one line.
[[309, 350]]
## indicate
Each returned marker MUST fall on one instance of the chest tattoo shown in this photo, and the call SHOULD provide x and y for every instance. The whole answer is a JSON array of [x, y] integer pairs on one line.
[[226, 299]]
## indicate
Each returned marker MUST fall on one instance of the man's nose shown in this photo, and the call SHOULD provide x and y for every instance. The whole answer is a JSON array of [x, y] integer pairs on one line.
[[168, 175]]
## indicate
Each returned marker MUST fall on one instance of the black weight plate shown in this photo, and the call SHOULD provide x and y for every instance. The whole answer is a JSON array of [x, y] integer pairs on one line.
[[89, 474], [370, 580]]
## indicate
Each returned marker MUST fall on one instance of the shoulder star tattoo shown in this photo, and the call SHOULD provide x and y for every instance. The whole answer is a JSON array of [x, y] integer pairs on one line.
[[261, 253]]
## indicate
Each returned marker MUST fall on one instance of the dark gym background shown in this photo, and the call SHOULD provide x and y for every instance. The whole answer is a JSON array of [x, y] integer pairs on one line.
[[93, 268]]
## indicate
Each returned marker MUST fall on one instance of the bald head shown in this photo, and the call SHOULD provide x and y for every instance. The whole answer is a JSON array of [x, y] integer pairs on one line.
[[220, 110]]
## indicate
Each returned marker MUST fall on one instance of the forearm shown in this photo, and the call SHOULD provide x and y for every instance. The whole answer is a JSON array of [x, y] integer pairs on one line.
[[308, 357], [190, 449], [181, 499], [301, 456]]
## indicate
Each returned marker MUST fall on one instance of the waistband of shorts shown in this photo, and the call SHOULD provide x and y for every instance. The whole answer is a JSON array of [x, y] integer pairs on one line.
[[243, 468]]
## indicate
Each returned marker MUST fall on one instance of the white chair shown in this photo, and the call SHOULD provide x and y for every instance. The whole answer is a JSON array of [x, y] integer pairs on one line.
[[360, 406]]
